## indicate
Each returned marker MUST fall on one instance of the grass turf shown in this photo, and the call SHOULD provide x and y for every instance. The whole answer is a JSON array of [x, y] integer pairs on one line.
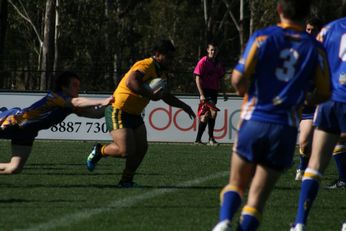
[[180, 191]]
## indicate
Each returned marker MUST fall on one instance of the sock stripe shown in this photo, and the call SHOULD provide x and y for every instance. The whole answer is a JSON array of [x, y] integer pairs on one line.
[[339, 149], [102, 150], [312, 174], [247, 210], [303, 153], [229, 188]]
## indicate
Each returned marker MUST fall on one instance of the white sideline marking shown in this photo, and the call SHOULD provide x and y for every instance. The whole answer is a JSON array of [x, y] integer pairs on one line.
[[118, 204]]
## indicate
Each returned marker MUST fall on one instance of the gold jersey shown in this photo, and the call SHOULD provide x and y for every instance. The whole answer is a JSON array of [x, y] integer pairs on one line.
[[127, 100]]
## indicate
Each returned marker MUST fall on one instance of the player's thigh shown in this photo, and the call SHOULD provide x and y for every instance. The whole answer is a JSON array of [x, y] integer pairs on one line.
[[125, 139], [306, 132], [322, 148], [261, 186], [213, 113], [241, 172], [20, 154]]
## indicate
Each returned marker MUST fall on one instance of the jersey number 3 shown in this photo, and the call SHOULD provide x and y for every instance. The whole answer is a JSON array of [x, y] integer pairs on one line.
[[287, 71]]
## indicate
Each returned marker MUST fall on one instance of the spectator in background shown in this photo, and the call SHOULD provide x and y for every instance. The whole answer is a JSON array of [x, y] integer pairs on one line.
[[313, 26], [21, 126], [209, 74], [277, 69]]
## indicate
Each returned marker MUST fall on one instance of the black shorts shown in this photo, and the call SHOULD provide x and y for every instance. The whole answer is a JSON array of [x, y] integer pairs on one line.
[[19, 136], [210, 95], [116, 119]]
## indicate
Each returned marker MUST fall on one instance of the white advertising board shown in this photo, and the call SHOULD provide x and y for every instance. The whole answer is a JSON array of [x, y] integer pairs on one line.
[[163, 123]]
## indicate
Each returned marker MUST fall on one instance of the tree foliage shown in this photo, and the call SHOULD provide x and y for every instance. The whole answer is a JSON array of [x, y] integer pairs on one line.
[[101, 39]]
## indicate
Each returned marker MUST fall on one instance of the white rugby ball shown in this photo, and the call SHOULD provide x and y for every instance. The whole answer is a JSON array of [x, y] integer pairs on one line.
[[155, 84]]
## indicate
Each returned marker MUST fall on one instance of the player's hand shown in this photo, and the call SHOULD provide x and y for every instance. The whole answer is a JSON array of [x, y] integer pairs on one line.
[[157, 94], [108, 101], [202, 98]]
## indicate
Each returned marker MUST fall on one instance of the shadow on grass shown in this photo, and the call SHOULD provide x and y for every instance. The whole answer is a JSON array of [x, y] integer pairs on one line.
[[14, 200], [39, 172], [287, 188], [105, 186], [71, 174]]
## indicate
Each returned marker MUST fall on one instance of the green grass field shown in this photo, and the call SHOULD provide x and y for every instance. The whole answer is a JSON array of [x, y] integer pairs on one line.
[[180, 191]]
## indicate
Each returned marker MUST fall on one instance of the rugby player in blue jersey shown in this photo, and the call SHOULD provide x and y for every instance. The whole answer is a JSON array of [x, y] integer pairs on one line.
[[279, 66], [21, 126], [329, 120]]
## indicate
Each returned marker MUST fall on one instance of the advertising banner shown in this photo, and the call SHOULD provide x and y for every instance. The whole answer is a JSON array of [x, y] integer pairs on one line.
[[163, 122]]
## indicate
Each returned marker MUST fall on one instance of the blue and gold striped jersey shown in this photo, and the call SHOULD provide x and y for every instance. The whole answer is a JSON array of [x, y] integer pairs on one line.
[[51, 109], [282, 63], [333, 37]]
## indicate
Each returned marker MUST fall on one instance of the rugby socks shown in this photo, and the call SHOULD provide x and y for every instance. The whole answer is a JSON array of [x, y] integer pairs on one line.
[[308, 193], [102, 150], [250, 219], [230, 198], [211, 125], [339, 155], [304, 160], [127, 175], [201, 128]]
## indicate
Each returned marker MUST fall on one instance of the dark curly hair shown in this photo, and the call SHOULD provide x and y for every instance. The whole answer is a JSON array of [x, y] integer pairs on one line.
[[64, 80]]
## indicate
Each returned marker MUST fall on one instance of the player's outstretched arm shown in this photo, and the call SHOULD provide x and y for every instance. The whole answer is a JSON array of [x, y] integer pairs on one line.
[[91, 108], [81, 102], [175, 102]]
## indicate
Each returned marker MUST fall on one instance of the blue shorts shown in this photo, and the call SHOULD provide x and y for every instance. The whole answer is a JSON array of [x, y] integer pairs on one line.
[[269, 144], [331, 117], [308, 113]]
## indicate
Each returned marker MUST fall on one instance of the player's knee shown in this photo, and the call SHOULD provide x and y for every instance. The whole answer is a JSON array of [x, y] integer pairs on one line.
[[123, 153], [13, 169]]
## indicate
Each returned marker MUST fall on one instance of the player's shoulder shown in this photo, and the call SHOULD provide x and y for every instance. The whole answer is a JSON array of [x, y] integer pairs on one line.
[[202, 60], [262, 34], [267, 31], [144, 65], [57, 98], [337, 22], [146, 61], [329, 29], [335, 25]]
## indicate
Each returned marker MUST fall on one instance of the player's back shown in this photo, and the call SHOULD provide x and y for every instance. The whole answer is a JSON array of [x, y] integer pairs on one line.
[[285, 63], [44, 113], [333, 37]]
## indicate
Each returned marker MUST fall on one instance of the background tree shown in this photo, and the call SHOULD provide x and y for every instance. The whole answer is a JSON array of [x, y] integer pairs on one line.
[[100, 40], [3, 28], [48, 45]]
